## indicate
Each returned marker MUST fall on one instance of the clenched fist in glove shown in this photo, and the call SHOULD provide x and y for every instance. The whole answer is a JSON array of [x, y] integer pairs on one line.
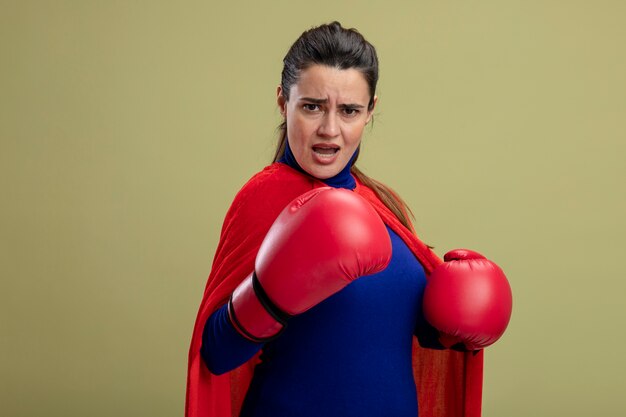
[[321, 242], [468, 299]]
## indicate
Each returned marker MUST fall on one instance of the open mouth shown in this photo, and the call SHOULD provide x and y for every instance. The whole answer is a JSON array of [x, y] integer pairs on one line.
[[325, 150]]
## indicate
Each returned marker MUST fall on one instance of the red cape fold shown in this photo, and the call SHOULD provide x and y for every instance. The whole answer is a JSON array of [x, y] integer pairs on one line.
[[449, 383]]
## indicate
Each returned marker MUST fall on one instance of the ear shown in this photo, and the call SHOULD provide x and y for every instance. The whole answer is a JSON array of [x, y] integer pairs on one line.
[[370, 113], [281, 101]]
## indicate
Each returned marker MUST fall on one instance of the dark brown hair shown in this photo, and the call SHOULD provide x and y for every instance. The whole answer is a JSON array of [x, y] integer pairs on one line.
[[334, 46]]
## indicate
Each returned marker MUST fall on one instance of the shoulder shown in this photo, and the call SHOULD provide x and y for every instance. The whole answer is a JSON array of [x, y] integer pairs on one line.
[[271, 186], [266, 193], [274, 177]]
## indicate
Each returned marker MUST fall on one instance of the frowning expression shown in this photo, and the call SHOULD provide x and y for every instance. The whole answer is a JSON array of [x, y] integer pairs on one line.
[[326, 114]]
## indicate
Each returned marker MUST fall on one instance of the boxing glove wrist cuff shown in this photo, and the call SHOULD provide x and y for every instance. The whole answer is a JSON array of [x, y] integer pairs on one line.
[[242, 330], [278, 315], [253, 314]]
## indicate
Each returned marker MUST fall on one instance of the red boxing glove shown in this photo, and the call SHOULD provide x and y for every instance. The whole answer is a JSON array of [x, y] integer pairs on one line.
[[468, 299], [320, 242]]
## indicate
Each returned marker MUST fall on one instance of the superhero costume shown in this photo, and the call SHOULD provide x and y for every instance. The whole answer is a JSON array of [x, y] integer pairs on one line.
[[449, 383]]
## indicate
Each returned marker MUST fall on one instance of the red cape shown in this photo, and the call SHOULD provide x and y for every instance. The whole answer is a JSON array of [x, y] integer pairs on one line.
[[449, 383]]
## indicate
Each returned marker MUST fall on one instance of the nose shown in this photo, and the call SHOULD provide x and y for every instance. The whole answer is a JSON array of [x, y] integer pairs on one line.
[[329, 126]]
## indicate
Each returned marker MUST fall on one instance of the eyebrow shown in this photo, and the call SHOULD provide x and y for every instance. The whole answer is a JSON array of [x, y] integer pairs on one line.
[[324, 101]]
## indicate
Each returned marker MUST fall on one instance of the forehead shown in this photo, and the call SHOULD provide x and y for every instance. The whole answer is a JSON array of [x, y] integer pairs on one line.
[[320, 81]]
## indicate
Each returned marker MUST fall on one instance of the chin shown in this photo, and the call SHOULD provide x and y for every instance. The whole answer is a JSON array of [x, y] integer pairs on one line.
[[323, 173]]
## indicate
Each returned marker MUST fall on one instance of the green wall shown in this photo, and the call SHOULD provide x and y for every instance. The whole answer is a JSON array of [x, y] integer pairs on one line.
[[127, 127]]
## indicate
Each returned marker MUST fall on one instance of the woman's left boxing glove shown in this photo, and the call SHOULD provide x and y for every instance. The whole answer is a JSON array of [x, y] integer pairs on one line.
[[468, 299], [321, 242]]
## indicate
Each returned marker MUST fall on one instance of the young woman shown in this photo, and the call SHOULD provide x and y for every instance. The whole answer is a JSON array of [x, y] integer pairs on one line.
[[315, 298]]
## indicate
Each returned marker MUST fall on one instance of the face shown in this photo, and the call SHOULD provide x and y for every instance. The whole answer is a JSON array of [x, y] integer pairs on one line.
[[326, 114]]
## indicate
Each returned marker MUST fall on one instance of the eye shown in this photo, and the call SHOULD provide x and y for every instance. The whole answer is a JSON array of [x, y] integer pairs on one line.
[[310, 107], [351, 112]]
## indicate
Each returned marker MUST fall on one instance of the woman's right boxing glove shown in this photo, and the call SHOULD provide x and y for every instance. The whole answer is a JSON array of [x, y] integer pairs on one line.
[[321, 242]]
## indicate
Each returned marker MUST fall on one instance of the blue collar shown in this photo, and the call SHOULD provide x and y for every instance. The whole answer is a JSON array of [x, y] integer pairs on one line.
[[343, 179]]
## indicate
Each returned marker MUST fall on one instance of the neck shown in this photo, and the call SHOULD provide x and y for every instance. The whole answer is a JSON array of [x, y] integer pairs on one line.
[[343, 179]]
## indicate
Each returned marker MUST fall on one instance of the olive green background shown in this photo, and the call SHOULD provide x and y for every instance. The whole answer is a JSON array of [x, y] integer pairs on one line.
[[127, 127]]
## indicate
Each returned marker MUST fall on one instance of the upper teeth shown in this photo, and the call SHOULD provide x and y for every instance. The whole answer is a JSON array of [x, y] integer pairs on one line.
[[324, 150]]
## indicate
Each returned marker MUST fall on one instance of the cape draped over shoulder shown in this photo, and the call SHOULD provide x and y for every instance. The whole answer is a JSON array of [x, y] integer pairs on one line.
[[449, 383]]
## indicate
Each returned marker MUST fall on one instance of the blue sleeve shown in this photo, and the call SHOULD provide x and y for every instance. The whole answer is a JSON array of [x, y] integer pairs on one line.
[[223, 348]]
